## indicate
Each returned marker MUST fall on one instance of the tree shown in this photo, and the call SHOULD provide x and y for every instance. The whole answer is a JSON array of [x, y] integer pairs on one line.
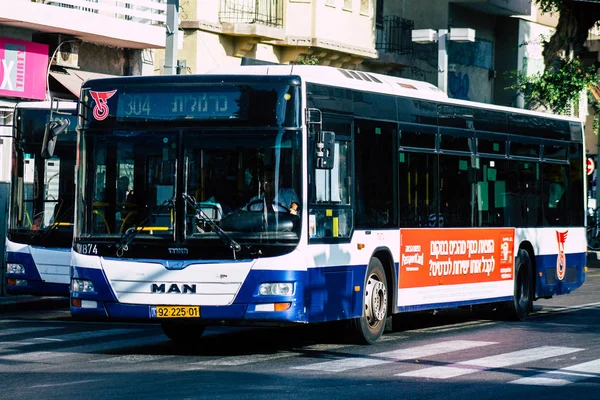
[[564, 76]]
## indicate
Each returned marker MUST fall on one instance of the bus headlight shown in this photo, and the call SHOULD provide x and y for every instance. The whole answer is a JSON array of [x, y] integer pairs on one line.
[[276, 289], [12, 268], [81, 285]]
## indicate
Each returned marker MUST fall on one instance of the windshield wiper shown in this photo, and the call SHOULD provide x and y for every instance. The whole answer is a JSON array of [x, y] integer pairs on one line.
[[132, 232], [43, 234], [228, 240]]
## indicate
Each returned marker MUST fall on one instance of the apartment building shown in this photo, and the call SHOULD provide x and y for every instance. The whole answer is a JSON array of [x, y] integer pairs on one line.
[[48, 48], [370, 35]]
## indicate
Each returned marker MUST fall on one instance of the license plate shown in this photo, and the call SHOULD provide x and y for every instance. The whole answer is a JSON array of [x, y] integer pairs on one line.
[[176, 312]]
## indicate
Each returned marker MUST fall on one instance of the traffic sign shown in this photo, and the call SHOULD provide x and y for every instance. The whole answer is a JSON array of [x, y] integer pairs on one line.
[[590, 166]]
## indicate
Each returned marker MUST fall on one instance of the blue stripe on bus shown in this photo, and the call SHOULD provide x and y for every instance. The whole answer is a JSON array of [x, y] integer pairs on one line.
[[35, 285], [433, 306], [322, 294], [546, 272]]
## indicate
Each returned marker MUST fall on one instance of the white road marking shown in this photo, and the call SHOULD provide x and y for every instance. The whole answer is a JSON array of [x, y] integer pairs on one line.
[[563, 376], [497, 361], [344, 364], [90, 347], [24, 330], [240, 360]]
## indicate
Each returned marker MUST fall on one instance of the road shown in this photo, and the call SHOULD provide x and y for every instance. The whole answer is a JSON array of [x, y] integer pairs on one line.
[[454, 354]]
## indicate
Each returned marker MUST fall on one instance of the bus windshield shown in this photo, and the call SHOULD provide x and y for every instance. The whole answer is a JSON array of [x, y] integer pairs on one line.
[[190, 186], [43, 191]]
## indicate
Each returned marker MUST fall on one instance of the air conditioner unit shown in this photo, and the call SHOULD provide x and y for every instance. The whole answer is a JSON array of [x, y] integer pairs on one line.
[[67, 56]]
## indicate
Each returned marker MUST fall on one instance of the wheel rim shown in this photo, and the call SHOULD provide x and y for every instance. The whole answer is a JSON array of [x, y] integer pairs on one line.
[[375, 301]]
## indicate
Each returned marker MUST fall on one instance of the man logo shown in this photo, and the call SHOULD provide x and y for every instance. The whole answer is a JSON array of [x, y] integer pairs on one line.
[[561, 261], [184, 288], [177, 250]]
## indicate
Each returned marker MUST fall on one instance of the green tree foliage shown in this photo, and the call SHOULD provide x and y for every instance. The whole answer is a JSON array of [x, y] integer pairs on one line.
[[557, 90], [309, 60], [564, 76]]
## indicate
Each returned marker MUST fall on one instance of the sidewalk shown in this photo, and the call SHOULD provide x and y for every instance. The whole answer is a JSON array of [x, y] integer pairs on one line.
[[27, 302]]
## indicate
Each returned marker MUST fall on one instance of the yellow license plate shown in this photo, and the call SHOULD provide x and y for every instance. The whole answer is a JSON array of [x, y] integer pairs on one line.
[[176, 312]]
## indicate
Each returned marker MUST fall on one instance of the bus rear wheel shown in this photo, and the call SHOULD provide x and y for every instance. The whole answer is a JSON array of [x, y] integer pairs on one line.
[[182, 332], [522, 303], [369, 328]]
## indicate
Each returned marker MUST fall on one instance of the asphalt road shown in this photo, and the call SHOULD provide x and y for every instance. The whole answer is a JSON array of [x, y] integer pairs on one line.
[[453, 354]]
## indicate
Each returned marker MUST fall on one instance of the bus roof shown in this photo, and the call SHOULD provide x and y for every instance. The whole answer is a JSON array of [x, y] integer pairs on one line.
[[332, 76], [372, 82]]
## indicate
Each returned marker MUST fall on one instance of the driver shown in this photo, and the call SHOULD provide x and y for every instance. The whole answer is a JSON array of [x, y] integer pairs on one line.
[[285, 200]]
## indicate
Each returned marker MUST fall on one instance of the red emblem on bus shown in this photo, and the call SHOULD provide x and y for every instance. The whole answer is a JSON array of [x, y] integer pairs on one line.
[[561, 261], [101, 108]]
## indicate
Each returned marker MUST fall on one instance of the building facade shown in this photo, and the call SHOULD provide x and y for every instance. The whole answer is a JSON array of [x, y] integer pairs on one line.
[[50, 47]]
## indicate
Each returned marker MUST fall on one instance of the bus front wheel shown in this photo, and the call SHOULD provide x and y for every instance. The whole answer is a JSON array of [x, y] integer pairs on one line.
[[182, 332], [369, 328]]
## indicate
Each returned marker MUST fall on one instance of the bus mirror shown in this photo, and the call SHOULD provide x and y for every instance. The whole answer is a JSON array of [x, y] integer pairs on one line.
[[325, 150], [53, 129]]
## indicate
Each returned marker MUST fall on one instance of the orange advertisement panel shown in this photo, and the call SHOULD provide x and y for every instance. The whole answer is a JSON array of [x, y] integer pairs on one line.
[[433, 257]]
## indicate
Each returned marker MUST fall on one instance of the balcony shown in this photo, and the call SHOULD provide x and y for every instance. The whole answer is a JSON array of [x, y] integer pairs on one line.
[[394, 36], [263, 12], [393, 42], [135, 24], [255, 18]]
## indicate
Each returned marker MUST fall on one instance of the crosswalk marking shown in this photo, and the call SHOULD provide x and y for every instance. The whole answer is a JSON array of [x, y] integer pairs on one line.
[[90, 347], [497, 361], [58, 338], [344, 364], [20, 331], [563, 376], [334, 363], [241, 360], [133, 358]]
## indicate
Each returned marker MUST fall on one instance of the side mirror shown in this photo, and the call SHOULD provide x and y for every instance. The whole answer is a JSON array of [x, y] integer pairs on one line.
[[53, 129], [325, 150]]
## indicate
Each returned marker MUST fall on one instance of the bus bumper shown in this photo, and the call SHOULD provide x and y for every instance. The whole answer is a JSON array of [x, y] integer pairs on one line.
[[319, 296], [30, 282]]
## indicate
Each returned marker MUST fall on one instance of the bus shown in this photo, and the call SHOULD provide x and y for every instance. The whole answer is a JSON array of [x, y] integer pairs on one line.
[[41, 203], [409, 201]]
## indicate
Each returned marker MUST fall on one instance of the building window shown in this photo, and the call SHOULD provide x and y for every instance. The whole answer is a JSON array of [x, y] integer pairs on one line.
[[365, 7], [348, 5]]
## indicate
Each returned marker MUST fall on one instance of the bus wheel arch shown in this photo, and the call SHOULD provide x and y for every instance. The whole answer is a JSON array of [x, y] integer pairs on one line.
[[519, 307], [376, 301]]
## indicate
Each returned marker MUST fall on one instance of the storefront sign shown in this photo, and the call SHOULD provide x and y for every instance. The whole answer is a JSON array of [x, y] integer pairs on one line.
[[23, 69]]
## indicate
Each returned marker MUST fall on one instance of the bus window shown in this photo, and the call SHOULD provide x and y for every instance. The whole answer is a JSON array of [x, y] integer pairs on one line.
[[492, 177], [456, 190], [332, 190], [376, 205], [524, 200], [555, 189], [418, 200]]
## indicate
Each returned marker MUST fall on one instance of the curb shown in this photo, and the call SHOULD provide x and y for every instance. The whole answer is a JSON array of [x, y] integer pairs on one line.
[[593, 259]]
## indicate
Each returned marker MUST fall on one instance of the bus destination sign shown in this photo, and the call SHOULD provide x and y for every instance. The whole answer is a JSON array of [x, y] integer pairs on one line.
[[180, 105]]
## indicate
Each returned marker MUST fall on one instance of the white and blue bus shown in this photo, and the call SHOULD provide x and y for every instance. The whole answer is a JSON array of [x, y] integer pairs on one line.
[[407, 201], [41, 206]]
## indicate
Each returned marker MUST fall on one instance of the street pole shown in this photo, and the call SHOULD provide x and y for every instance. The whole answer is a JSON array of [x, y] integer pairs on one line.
[[172, 37], [443, 60]]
